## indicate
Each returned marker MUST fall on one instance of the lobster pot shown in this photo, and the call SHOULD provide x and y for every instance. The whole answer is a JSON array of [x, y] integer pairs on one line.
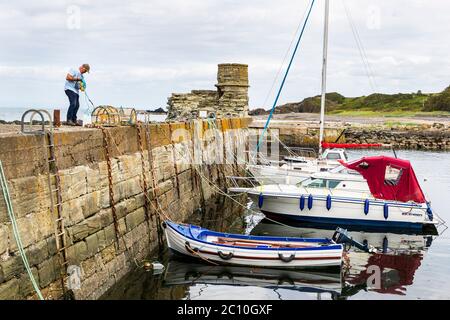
[[107, 116], [128, 116]]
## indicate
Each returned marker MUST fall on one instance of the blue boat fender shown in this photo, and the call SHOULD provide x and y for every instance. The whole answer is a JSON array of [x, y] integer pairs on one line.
[[386, 211], [328, 202], [429, 212], [310, 201], [366, 207], [260, 200], [302, 202]]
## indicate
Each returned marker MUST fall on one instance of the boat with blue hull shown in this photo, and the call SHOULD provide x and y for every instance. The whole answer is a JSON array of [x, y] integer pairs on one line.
[[258, 251], [386, 194]]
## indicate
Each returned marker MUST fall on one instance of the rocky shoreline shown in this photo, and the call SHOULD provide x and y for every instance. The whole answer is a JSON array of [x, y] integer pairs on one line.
[[302, 130]]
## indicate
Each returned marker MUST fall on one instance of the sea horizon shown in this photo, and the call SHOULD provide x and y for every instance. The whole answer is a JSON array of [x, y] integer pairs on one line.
[[15, 114]]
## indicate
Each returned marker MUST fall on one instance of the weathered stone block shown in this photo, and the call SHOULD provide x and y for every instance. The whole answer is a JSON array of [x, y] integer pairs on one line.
[[164, 187], [29, 195], [72, 212], [3, 212], [77, 252], [122, 226], [102, 243], [127, 189], [51, 246], [44, 224], [91, 204], [12, 267], [135, 218], [91, 225], [89, 267], [47, 272], [27, 230], [3, 239], [25, 285], [37, 253], [110, 234], [73, 182], [2, 276], [9, 290], [108, 253], [92, 244]]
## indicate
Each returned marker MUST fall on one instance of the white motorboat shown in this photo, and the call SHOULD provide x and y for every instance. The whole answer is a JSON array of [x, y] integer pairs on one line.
[[295, 169], [387, 194]]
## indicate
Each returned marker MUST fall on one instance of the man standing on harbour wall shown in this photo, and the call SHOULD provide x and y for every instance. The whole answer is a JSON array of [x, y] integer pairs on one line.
[[74, 82]]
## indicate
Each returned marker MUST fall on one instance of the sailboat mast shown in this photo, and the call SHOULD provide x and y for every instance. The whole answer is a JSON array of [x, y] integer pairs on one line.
[[324, 75]]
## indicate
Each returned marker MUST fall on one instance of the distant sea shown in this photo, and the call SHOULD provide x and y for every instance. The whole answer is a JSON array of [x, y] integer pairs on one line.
[[11, 114]]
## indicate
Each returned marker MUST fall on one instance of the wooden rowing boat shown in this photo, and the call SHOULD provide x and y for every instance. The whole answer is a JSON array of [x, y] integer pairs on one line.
[[260, 251]]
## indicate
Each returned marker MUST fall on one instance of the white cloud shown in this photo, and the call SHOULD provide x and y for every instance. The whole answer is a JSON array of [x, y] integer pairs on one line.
[[142, 51]]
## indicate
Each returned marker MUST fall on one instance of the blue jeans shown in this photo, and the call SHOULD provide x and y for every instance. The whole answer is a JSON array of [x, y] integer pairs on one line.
[[74, 105]]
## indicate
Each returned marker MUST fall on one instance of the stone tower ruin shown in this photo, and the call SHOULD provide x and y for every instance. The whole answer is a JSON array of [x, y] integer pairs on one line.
[[229, 100]]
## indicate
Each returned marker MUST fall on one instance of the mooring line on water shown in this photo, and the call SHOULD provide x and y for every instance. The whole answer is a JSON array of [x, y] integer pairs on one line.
[[16, 233]]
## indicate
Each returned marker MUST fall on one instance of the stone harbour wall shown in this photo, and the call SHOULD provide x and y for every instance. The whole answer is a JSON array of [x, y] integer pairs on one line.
[[102, 245]]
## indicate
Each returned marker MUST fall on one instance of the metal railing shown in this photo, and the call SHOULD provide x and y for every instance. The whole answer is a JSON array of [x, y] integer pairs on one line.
[[40, 113]]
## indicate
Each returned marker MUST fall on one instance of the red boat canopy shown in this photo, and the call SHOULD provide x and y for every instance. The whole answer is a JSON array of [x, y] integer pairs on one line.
[[389, 178], [327, 145]]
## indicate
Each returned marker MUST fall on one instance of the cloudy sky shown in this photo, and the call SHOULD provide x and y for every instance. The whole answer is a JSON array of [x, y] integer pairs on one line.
[[141, 52]]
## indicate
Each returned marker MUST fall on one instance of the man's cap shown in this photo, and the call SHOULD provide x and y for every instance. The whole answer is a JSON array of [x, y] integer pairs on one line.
[[87, 67]]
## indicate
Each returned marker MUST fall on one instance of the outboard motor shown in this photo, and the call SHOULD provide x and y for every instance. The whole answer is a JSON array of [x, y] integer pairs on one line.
[[341, 236]]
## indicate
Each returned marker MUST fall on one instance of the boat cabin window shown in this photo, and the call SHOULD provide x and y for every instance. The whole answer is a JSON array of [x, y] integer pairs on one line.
[[321, 183], [333, 156], [392, 176]]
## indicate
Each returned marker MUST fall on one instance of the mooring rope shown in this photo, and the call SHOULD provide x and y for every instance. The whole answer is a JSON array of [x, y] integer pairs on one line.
[[9, 207], [219, 191]]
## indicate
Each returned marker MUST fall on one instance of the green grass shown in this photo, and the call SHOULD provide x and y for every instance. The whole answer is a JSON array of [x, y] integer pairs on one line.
[[401, 102], [377, 105], [388, 114]]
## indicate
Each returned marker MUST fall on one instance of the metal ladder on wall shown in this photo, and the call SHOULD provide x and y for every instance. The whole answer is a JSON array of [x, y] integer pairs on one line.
[[56, 207], [54, 186]]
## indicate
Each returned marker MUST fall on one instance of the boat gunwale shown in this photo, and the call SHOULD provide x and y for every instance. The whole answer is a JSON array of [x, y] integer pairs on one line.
[[331, 246]]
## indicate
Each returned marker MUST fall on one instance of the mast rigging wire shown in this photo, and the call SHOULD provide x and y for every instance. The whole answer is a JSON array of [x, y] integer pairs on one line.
[[362, 51], [285, 77]]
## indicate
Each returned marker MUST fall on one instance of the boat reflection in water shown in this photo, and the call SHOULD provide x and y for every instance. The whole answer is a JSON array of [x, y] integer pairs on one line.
[[399, 257], [181, 272]]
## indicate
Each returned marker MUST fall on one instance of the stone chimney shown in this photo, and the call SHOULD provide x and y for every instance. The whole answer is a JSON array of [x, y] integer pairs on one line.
[[230, 98], [232, 85]]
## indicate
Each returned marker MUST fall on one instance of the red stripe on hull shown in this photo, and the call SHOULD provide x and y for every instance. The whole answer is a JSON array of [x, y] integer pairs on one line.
[[267, 258]]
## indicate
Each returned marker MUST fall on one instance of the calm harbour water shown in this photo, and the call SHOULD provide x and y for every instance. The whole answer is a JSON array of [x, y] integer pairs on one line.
[[413, 266]]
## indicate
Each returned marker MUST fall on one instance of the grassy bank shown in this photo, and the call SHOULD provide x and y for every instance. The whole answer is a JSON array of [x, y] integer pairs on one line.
[[388, 114], [375, 105]]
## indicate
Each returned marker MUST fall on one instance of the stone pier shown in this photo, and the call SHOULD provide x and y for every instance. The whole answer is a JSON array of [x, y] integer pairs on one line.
[[103, 244]]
